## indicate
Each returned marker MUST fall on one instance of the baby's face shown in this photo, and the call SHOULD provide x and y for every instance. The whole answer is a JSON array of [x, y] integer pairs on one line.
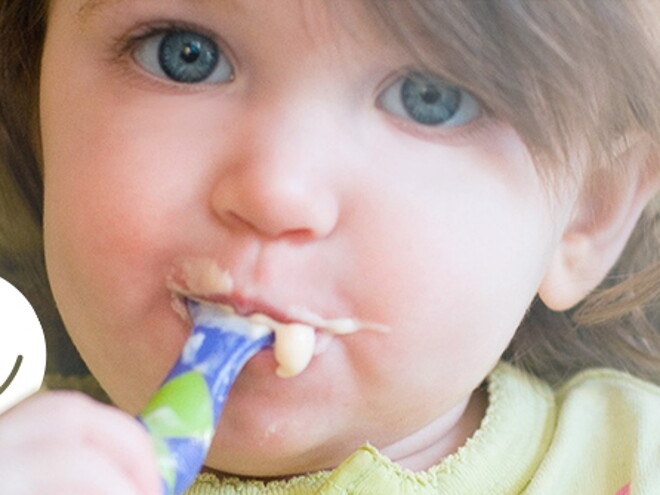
[[294, 147]]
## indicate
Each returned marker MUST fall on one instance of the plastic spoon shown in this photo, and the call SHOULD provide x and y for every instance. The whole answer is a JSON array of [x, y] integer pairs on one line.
[[183, 414]]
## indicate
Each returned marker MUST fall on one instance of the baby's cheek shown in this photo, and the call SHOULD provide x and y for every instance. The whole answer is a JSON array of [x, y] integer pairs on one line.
[[110, 289]]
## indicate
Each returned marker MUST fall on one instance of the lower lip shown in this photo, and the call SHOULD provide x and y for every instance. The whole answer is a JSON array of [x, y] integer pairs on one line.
[[263, 362]]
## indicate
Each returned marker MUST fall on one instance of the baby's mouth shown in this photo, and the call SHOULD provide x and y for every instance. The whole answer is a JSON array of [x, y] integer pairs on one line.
[[300, 334], [295, 343], [298, 340]]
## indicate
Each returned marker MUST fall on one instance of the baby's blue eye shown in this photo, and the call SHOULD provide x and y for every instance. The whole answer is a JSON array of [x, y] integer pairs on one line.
[[429, 101], [184, 57]]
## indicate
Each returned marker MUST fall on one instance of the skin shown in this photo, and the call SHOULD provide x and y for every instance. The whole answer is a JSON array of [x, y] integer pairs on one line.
[[295, 179], [95, 449]]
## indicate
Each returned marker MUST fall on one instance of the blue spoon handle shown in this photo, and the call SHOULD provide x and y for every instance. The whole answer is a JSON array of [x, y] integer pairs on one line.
[[182, 415]]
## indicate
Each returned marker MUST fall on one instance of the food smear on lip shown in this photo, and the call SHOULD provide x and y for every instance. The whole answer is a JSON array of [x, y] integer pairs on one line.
[[294, 344], [203, 276], [200, 279]]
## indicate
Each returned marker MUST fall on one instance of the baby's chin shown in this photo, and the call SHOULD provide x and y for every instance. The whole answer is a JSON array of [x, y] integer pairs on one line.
[[279, 455], [282, 436]]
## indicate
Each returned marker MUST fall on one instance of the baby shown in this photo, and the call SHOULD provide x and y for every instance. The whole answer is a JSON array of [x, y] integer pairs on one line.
[[463, 176]]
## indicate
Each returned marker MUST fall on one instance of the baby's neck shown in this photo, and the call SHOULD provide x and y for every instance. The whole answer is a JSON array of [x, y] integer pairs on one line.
[[442, 437]]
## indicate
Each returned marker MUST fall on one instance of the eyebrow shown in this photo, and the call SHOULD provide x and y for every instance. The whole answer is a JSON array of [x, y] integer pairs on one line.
[[91, 6]]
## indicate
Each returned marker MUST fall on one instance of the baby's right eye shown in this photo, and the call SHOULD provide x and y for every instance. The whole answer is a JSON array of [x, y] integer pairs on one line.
[[429, 101], [183, 56]]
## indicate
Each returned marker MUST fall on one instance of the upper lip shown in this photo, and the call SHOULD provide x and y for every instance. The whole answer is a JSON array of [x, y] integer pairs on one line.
[[205, 280], [244, 306], [294, 314]]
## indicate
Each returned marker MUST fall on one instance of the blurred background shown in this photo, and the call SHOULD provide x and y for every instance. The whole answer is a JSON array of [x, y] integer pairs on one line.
[[22, 264]]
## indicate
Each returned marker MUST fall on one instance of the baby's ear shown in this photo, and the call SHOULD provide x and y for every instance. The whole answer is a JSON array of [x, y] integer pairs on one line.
[[605, 214]]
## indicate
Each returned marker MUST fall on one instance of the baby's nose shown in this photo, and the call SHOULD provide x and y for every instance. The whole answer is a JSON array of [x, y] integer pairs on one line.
[[275, 205], [278, 184]]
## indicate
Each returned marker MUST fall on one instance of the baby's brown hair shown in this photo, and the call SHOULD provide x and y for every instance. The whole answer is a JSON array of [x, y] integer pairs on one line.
[[567, 75]]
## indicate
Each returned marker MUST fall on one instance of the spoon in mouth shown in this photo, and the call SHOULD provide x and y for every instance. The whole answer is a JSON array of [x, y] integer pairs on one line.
[[182, 415]]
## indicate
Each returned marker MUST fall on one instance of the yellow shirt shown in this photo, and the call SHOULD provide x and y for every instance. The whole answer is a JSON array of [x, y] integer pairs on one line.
[[599, 434]]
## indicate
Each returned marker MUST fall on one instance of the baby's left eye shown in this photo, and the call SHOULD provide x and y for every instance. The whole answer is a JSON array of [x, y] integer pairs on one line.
[[429, 101], [184, 57]]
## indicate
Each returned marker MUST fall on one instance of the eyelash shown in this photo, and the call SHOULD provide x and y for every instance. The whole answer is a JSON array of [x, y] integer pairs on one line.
[[123, 48], [125, 44], [447, 134]]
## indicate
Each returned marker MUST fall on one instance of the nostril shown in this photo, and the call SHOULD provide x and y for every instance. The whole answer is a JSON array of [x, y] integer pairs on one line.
[[234, 220], [271, 229], [238, 222], [294, 211]]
